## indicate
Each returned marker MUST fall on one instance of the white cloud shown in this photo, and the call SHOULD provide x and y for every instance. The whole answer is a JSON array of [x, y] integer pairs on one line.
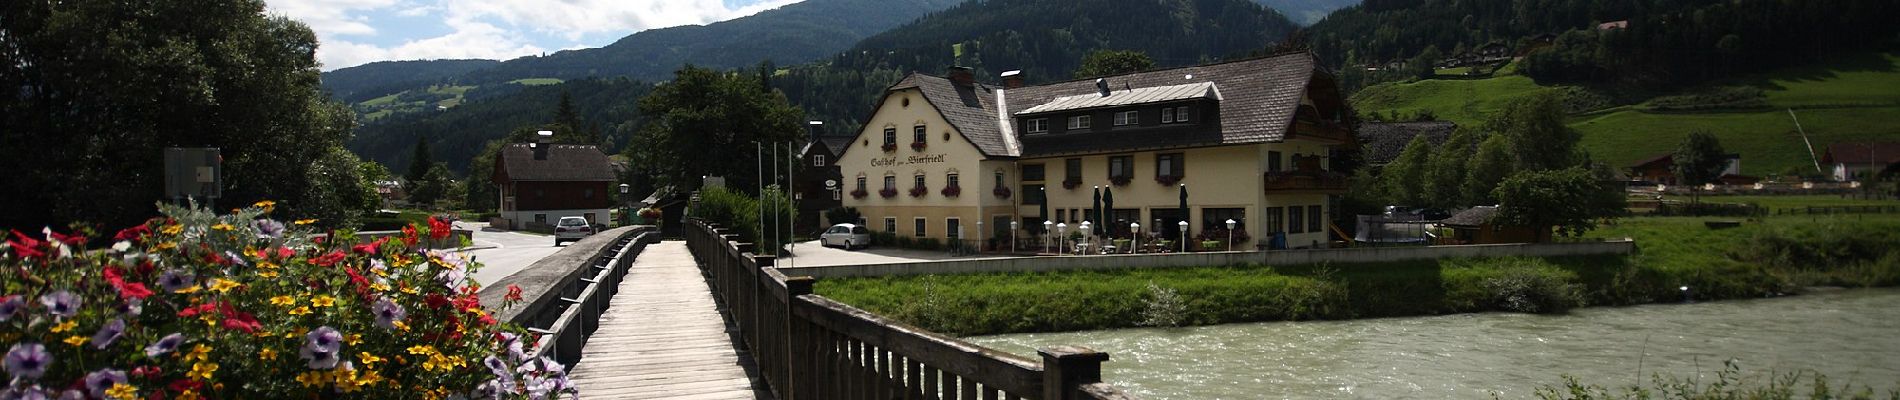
[[493, 29]]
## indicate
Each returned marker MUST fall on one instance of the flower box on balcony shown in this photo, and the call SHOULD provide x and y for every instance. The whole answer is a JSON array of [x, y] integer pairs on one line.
[[889, 147], [951, 191], [887, 192], [919, 191], [1167, 180], [859, 193], [918, 146], [1121, 180], [1071, 184], [1001, 192]]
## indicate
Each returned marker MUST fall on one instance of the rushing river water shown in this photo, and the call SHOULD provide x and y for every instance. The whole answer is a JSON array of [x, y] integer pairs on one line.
[[1851, 335]]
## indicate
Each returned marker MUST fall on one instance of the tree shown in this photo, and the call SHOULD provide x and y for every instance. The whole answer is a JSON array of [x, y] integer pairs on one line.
[[1445, 173], [1487, 168], [1545, 199], [1113, 62], [1425, 64], [1535, 127], [1699, 159], [95, 88], [1402, 180], [419, 163], [706, 123], [433, 186]]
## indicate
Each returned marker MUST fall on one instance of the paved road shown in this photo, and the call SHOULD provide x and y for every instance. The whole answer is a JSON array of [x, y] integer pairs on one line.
[[503, 253]]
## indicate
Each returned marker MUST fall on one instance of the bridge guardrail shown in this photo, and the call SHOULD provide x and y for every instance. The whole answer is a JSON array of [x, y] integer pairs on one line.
[[811, 347], [565, 293]]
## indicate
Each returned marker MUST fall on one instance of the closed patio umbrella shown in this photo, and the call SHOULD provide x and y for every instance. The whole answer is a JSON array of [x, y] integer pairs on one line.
[[1108, 206], [1184, 207]]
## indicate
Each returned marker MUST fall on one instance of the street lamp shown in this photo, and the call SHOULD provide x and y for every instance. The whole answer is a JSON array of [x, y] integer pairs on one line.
[[1184, 230], [979, 235], [1012, 236], [627, 204], [1061, 230], [1134, 232], [1230, 235], [1088, 233], [1048, 228]]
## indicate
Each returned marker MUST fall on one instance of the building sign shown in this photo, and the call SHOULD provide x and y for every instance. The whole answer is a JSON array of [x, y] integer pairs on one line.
[[893, 161]]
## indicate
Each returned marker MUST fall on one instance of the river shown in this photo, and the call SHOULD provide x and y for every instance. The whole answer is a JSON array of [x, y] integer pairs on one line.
[[1848, 335]]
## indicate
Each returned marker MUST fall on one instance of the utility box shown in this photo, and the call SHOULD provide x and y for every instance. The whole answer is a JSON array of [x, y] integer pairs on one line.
[[193, 172]]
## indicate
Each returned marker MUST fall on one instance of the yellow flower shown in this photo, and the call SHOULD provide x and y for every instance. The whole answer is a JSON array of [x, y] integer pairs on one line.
[[401, 326], [64, 326], [123, 392], [369, 377], [172, 229], [76, 340], [300, 311], [162, 246], [267, 274], [282, 300], [323, 301], [223, 285], [312, 378], [267, 205], [305, 222], [266, 265], [353, 339], [202, 371], [380, 287], [188, 395], [223, 227], [267, 354], [421, 350], [409, 290], [187, 290], [201, 353], [369, 360]]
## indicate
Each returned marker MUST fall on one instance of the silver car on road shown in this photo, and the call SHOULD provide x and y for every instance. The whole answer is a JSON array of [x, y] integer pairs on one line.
[[847, 236]]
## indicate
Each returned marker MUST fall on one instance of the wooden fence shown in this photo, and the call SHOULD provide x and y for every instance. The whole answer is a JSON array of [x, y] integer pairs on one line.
[[566, 293], [811, 347]]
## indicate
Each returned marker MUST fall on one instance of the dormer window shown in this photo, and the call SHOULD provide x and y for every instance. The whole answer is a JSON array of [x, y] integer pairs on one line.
[[1126, 118], [1079, 122], [1181, 114], [1038, 125], [1167, 115]]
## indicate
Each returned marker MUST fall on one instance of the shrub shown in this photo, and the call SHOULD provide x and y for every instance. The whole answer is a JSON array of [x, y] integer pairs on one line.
[[1162, 307], [196, 304]]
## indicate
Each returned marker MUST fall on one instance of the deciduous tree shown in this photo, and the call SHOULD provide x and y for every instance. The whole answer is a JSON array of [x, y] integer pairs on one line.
[[1402, 180], [706, 123], [1699, 159], [1563, 199], [1113, 62], [1445, 174], [1487, 168]]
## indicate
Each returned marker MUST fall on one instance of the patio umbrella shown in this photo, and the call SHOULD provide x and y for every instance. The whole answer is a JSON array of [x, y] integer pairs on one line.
[[1095, 211], [1184, 208], [1044, 207], [1108, 206]]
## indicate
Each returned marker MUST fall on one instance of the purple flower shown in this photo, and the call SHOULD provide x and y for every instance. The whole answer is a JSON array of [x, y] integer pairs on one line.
[[108, 333], [132, 307], [10, 306], [61, 303], [27, 360], [165, 345], [174, 280], [388, 313], [235, 259], [513, 343], [320, 347], [268, 228], [98, 381], [24, 393]]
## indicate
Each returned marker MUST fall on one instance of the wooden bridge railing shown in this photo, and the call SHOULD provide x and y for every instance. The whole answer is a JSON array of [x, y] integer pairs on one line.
[[811, 347], [565, 293]]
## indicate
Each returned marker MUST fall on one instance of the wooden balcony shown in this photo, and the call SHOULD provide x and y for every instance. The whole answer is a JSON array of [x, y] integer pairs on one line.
[[1310, 181], [1321, 131]]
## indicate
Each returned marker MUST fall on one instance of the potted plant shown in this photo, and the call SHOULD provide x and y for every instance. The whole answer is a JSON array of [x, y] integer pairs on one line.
[[887, 192], [859, 193], [952, 191], [918, 146], [919, 191], [1121, 180], [890, 147], [1071, 183], [1001, 192]]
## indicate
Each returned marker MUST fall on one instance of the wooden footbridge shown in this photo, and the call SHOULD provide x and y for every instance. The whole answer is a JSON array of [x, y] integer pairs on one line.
[[705, 318]]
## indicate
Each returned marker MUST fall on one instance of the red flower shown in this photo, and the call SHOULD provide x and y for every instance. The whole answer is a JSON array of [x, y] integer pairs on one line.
[[147, 372], [285, 252], [133, 233], [70, 240], [200, 309], [439, 228], [328, 259], [468, 303], [488, 319], [132, 290], [361, 283], [241, 321], [409, 235], [26, 247], [436, 300], [371, 247], [514, 293], [182, 385]]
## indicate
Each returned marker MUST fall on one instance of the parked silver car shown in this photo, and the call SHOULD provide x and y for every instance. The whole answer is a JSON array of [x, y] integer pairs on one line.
[[848, 236], [572, 229]]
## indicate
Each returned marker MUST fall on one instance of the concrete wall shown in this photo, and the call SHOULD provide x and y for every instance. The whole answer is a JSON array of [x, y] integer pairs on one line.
[[1286, 257]]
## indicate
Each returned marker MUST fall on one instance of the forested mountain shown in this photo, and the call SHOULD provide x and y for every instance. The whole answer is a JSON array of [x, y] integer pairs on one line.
[[457, 134], [1306, 12], [795, 33], [368, 81], [1046, 39], [1654, 43]]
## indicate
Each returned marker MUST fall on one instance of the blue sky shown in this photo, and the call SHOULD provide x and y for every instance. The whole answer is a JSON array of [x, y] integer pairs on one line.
[[355, 32]]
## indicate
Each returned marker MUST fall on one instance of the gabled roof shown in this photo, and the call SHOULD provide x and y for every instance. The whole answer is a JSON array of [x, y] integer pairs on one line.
[[1476, 216], [1860, 153], [1660, 160], [832, 144], [1116, 98], [1384, 141], [970, 109], [565, 162]]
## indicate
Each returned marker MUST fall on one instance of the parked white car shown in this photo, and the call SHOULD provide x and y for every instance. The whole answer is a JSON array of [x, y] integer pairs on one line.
[[572, 229], [848, 236]]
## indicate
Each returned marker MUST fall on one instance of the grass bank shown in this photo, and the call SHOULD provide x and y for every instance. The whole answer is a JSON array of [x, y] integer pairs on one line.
[[1779, 256]]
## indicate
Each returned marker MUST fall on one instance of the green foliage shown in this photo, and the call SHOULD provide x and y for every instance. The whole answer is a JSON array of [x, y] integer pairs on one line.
[[1402, 181], [1487, 169], [1113, 62], [739, 212], [419, 163], [704, 112], [368, 81], [1561, 198], [433, 186], [497, 112], [1537, 133], [1445, 175], [1163, 307], [1699, 159], [1728, 384]]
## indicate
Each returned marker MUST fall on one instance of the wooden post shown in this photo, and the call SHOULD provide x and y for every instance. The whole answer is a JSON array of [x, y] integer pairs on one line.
[[1066, 367], [801, 358]]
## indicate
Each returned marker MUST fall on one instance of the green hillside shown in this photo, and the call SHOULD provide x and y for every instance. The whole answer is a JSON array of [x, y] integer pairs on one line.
[[1846, 99]]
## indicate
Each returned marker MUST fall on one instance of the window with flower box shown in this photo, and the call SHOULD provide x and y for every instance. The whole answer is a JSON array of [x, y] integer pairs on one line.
[[1121, 168], [1168, 167]]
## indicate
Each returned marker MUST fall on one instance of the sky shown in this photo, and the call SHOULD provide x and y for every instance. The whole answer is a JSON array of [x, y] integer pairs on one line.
[[356, 32]]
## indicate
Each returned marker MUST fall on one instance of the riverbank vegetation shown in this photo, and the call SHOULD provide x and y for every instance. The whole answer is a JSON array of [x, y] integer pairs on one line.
[[1770, 257], [1729, 383]]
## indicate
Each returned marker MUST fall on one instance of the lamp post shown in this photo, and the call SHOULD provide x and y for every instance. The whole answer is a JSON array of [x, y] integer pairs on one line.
[[979, 235], [1088, 232], [1230, 235], [1061, 230], [626, 204], [1012, 236], [1184, 229], [1048, 228], [1134, 232]]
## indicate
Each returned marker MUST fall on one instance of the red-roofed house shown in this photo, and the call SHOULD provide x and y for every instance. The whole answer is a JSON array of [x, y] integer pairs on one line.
[[1845, 160], [1662, 169], [540, 183]]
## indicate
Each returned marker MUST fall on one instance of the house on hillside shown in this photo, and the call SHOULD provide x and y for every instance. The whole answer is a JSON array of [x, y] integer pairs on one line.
[[1847, 161], [819, 186], [1252, 141], [1613, 25], [541, 182], [1661, 169], [1475, 226], [1383, 141]]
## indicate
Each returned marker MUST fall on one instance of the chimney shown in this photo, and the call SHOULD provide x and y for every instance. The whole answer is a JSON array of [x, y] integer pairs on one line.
[[1101, 84], [961, 76], [1013, 79], [542, 140]]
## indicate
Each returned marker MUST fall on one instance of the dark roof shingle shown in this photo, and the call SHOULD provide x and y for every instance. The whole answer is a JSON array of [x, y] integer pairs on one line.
[[565, 162], [1476, 216], [1859, 153]]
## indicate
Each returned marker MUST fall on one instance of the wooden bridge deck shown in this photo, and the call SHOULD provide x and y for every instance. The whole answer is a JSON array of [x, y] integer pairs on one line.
[[663, 337]]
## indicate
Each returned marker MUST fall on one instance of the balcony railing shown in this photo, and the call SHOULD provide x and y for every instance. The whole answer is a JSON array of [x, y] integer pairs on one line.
[[1315, 181], [1320, 130]]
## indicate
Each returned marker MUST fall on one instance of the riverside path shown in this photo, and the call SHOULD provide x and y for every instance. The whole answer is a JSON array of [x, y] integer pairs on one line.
[[663, 337]]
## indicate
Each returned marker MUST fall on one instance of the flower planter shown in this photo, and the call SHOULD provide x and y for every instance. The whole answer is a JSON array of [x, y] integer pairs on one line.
[[1071, 184], [952, 191], [1168, 180], [1120, 180], [887, 193], [919, 191], [1001, 192], [918, 146], [890, 147], [859, 194]]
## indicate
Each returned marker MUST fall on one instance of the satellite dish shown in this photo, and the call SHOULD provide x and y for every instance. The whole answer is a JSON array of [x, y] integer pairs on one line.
[[831, 183]]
